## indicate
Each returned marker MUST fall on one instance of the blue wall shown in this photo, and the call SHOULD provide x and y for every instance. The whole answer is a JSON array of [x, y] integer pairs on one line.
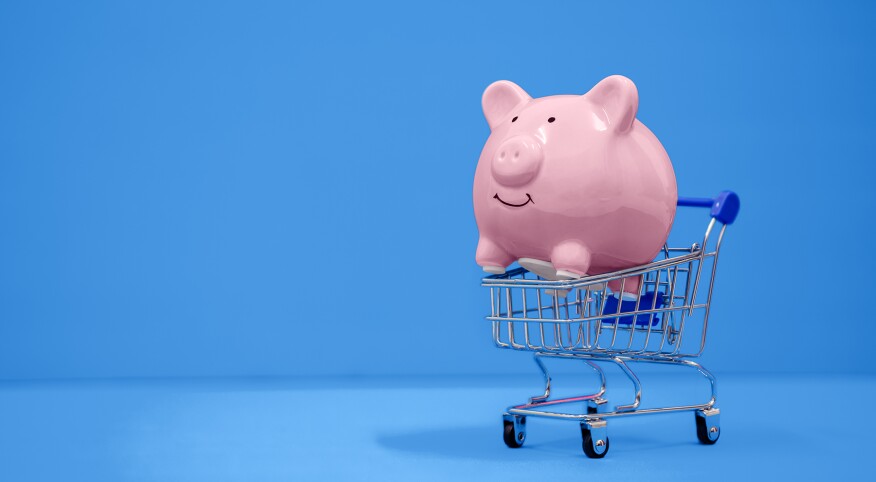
[[265, 188]]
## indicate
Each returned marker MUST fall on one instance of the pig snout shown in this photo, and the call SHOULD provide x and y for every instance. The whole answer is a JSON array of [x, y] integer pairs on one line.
[[517, 160]]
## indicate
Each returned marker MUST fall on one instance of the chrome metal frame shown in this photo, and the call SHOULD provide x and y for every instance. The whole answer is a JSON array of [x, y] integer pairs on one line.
[[568, 320]]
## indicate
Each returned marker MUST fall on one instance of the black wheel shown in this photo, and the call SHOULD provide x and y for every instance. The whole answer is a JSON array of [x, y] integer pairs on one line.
[[513, 439], [703, 431], [587, 443]]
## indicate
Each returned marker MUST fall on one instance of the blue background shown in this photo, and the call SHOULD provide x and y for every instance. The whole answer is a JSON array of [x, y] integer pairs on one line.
[[273, 188], [276, 191]]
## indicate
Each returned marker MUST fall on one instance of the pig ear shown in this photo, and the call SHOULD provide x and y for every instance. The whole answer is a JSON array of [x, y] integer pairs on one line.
[[500, 99], [618, 99]]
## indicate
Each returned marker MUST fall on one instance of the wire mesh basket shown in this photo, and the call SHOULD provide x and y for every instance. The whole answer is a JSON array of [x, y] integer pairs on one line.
[[668, 318]]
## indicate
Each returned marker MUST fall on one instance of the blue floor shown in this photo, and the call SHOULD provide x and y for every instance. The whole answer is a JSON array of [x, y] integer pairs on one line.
[[420, 429]]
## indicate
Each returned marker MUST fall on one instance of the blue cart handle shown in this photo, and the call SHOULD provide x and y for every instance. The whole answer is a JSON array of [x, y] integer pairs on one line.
[[725, 206]]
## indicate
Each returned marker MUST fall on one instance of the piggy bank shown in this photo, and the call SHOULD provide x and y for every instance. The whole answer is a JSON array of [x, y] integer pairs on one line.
[[571, 185]]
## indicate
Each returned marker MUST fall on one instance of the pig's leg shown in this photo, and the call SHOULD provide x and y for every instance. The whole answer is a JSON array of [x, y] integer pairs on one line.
[[571, 259], [491, 257], [630, 286], [542, 268]]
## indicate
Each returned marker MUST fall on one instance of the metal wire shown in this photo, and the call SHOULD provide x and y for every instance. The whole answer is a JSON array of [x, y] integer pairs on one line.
[[571, 317]]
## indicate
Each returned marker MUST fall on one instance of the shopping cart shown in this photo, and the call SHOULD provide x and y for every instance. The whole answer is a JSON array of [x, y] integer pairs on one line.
[[582, 320]]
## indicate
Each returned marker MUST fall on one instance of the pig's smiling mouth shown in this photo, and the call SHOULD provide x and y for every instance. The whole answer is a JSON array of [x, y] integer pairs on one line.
[[528, 200]]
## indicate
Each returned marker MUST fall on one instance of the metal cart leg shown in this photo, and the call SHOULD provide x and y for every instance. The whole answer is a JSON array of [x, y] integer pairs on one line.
[[547, 382], [636, 384], [541, 399], [711, 378]]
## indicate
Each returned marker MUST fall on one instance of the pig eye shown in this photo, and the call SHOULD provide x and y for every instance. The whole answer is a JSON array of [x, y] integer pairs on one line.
[[551, 119], [514, 119]]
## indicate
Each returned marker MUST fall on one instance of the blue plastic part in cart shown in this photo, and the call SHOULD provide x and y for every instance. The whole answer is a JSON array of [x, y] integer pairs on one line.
[[627, 306]]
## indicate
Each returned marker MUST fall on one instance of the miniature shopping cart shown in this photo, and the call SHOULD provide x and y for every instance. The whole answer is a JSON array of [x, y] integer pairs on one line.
[[583, 320]]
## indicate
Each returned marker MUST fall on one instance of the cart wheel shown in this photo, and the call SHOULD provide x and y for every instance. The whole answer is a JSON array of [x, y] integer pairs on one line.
[[514, 437], [594, 441], [708, 426]]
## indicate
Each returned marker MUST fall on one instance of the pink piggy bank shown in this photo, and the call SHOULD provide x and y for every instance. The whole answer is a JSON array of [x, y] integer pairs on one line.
[[571, 185]]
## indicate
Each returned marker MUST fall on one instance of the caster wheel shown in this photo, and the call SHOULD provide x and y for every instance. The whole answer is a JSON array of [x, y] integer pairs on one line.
[[595, 446], [514, 438], [708, 428]]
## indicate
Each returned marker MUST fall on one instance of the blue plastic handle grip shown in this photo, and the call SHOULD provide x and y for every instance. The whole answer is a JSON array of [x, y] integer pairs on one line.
[[725, 207]]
